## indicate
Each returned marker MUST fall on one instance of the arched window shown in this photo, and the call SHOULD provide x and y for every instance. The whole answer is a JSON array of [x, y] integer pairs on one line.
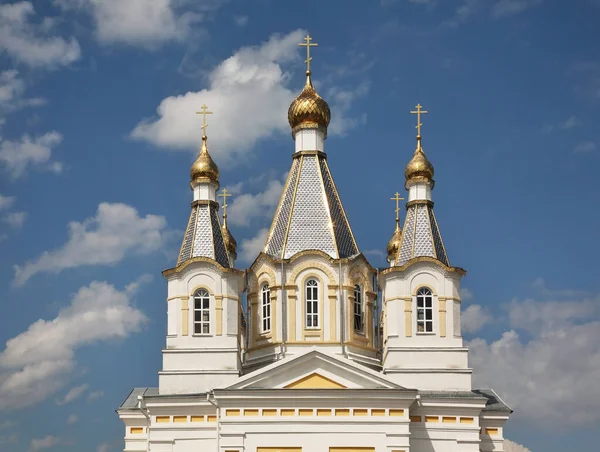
[[266, 308], [201, 312], [358, 309], [424, 310], [312, 304]]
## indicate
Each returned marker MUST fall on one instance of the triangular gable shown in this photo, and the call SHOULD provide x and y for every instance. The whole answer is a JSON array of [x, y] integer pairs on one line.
[[315, 381], [314, 370]]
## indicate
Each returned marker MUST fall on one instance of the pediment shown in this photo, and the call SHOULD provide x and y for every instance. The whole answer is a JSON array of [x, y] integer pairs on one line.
[[314, 370]]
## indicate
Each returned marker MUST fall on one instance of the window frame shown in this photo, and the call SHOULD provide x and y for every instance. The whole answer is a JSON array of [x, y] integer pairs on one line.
[[265, 309], [311, 304], [424, 305], [358, 311], [203, 296]]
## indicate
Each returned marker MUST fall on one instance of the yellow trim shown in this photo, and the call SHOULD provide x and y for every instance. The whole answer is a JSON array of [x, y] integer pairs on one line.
[[315, 265], [252, 412], [432, 419], [324, 412], [408, 318], [288, 412], [292, 300], [342, 412], [232, 412], [377, 412], [305, 412], [278, 449], [136, 430], [396, 412], [185, 320], [211, 418], [163, 419], [313, 332], [197, 419], [467, 420], [491, 431], [415, 418], [351, 449], [315, 381], [269, 412], [219, 314], [442, 306], [360, 412], [448, 420], [180, 419]]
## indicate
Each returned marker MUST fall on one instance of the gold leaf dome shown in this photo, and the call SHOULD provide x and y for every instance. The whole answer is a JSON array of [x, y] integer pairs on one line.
[[394, 244], [309, 109], [419, 167], [204, 168], [230, 242]]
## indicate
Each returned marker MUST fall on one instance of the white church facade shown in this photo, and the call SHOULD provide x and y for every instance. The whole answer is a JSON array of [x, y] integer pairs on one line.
[[327, 354]]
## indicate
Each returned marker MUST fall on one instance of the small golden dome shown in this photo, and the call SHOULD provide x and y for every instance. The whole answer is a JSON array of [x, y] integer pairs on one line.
[[309, 108], [230, 242], [394, 244], [204, 168], [419, 166]]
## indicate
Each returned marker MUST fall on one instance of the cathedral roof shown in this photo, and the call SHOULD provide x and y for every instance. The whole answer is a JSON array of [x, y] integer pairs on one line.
[[204, 235], [421, 235], [310, 215]]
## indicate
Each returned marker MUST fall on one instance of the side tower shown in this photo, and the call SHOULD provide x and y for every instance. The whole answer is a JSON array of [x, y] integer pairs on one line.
[[310, 286], [204, 294], [422, 341]]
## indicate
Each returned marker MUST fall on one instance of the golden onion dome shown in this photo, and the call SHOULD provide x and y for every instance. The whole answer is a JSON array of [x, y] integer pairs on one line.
[[308, 109], [394, 244], [230, 242], [419, 167], [204, 168]]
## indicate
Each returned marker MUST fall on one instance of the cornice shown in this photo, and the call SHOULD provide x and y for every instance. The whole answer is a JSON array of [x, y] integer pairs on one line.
[[416, 260], [178, 269]]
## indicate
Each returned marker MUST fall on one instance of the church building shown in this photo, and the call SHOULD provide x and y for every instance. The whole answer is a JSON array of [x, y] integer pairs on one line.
[[312, 349]]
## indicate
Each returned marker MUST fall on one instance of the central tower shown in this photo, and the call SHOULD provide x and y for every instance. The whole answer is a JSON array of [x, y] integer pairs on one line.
[[310, 286]]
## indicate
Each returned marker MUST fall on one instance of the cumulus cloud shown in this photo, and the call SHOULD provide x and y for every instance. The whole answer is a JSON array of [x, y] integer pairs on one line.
[[15, 219], [95, 395], [250, 248], [116, 231], [29, 41], [474, 318], [12, 88], [73, 394], [510, 446], [249, 95], [38, 362], [144, 23], [569, 123], [6, 201], [585, 147], [548, 363], [72, 419], [247, 207], [18, 156], [43, 443]]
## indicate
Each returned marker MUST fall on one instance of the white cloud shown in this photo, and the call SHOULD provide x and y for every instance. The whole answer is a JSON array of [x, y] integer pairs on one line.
[[72, 419], [510, 446], [116, 231], [18, 156], [12, 88], [6, 425], [376, 253], [240, 21], [73, 394], [585, 147], [15, 219], [466, 294], [474, 318], [509, 7], [250, 248], [28, 41], [6, 202], [550, 370], [104, 447], [43, 443], [95, 395], [249, 95], [569, 123], [144, 23], [246, 207], [38, 362], [341, 101]]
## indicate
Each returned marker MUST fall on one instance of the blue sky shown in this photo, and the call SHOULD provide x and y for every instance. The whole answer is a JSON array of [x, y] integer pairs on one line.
[[98, 131]]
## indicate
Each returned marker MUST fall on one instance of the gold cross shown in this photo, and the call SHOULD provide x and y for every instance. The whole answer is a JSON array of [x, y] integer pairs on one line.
[[308, 45], [419, 112], [224, 194], [397, 198], [204, 113]]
